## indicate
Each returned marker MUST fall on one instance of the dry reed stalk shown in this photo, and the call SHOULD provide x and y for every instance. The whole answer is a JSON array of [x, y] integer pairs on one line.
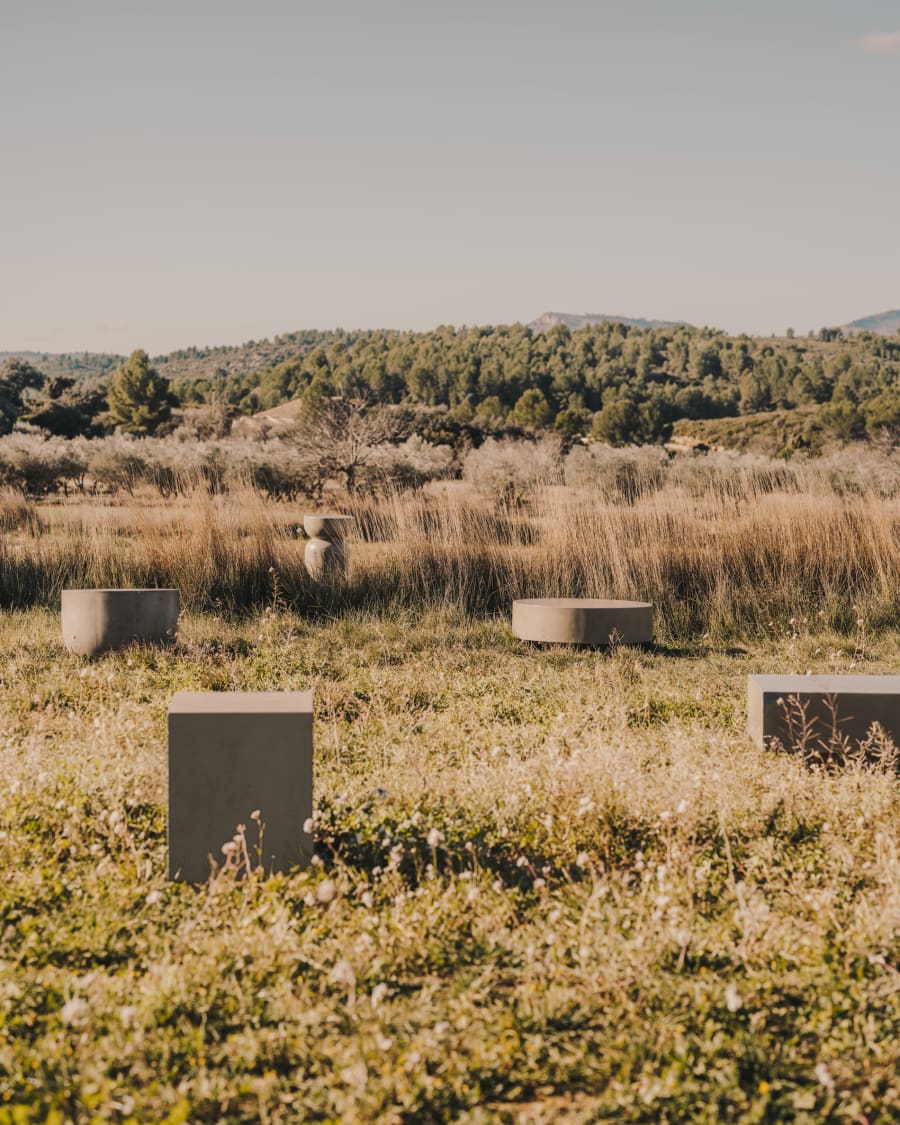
[[710, 564]]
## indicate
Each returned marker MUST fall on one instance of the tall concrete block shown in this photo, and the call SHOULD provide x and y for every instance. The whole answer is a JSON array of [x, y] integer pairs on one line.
[[326, 552], [582, 621], [809, 711], [231, 753], [95, 621]]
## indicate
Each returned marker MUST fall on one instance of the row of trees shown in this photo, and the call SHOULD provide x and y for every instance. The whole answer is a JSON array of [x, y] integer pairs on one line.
[[621, 385], [135, 399]]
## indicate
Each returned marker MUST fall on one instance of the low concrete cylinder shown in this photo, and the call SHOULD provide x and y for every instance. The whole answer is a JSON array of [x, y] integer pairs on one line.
[[325, 555], [231, 753], [813, 712], [582, 621], [96, 621]]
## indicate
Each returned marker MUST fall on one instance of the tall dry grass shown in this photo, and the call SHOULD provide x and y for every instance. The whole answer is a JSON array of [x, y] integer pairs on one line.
[[720, 555]]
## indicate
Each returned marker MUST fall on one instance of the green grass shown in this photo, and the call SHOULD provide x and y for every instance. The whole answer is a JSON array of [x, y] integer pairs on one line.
[[552, 885], [778, 433]]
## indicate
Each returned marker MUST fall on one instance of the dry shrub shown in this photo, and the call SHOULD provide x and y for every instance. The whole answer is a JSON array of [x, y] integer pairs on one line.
[[411, 464], [850, 472], [18, 512], [35, 463], [734, 476], [512, 471], [617, 474]]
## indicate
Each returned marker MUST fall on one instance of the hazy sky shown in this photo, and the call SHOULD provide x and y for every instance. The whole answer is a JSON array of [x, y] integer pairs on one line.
[[209, 171]]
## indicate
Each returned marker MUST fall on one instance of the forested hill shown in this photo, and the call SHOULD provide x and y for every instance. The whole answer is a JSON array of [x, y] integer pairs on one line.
[[70, 364], [621, 384], [618, 382]]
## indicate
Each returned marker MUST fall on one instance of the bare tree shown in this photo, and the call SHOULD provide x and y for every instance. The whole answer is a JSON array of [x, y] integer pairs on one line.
[[337, 438]]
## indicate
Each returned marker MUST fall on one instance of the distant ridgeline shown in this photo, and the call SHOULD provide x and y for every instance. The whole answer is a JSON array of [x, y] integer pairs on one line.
[[620, 382]]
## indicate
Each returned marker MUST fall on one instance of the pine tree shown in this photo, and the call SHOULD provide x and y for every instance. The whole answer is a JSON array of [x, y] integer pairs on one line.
[[139, 399]]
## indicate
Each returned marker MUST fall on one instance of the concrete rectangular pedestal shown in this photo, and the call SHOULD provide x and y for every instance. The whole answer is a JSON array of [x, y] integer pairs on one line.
[[231, 753], [847, 705]]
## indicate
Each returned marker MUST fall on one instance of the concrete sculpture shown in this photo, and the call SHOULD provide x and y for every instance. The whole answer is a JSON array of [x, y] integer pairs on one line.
[[582, 621], [812, 712], [326, 553], [231, 754], [95, 621]]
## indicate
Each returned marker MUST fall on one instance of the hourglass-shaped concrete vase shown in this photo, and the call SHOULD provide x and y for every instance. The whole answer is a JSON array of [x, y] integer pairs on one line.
[[326, 552]]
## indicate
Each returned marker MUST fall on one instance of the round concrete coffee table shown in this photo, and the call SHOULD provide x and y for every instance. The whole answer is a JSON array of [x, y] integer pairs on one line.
[[582, 621], [95, 621]]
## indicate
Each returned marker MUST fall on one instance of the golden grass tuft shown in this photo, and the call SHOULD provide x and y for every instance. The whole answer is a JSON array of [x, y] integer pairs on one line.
[[711, 564]]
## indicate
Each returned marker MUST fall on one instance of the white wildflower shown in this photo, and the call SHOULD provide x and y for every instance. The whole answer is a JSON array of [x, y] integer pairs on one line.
[[128, 1015], [733, 1001], [76, 1012], [824, 1076], [435, 838], [343, 973], [326, 890]]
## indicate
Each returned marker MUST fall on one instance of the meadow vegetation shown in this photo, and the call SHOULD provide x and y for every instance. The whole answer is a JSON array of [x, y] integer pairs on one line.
[[551, 884]]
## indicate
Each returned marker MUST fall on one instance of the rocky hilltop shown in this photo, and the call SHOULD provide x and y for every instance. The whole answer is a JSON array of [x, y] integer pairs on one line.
[[549, 320], [883, 324]]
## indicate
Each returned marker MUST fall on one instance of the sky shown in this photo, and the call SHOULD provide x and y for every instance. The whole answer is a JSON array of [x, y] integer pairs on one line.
[[198, 172]]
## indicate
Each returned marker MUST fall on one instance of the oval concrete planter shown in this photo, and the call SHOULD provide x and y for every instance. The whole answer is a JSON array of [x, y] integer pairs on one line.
[[95, 621], [582, 621]]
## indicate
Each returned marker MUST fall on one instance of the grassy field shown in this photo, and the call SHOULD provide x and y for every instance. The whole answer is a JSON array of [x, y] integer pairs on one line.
[[551, 884]]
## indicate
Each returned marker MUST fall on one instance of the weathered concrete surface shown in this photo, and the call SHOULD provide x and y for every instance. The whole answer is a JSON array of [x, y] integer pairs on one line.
[[231, 753], [95, 621], [809, 712], [325, 561], [325, 555], [582, 621], [327, 525]]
